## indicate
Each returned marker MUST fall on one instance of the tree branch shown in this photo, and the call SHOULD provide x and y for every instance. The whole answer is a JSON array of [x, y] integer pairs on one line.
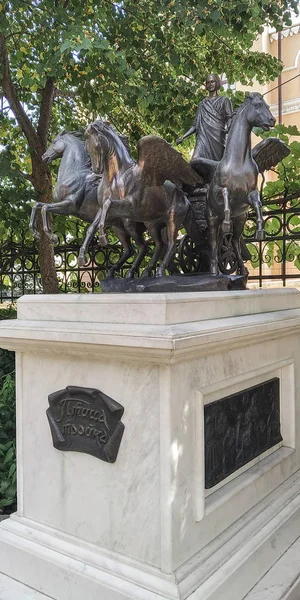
[[13, 100], [48, 95], [61, 94]]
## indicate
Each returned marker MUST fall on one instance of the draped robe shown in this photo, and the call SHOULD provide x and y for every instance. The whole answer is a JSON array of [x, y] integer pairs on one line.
[[210, 123]]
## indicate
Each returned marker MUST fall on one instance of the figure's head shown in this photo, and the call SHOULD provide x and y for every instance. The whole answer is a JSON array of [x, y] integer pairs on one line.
[[213, 82]]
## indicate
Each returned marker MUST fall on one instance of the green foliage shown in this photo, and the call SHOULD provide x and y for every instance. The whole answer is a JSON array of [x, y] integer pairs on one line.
[[287, 182], [8, 488], [143, 66]]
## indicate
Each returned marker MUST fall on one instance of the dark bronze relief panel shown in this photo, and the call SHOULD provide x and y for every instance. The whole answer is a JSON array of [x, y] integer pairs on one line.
[[240, 427], [86, 420]]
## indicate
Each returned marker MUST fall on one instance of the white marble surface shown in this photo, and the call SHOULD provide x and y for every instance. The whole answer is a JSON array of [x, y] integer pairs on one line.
[[107, 504], [155, 309], [282, 581], [150, 506], [13, 590]]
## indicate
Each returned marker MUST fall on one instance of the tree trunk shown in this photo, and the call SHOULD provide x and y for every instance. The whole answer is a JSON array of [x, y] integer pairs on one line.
[[37, 140], [41, 180]]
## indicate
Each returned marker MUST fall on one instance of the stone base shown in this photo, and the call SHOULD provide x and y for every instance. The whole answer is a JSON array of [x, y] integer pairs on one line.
[[174, 283], [145, 527], [65, 568]]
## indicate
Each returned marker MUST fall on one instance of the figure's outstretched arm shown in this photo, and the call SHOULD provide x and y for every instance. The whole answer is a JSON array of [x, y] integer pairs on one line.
[[186, 135]]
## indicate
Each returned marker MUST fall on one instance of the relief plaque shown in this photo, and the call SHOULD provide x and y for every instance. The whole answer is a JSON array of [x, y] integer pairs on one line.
[[240, 427], [86, 420]]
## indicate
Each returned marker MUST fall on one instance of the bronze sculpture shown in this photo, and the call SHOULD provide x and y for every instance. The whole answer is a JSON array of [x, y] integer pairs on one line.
[[108, 189], [75, 194], [211, 123], [147, 191], [233, 180]]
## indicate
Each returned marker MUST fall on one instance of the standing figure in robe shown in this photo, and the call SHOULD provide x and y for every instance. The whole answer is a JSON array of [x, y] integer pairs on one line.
[[211, 123]]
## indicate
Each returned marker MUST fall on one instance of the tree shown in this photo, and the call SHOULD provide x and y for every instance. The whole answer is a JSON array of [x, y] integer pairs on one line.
[[62, 62]]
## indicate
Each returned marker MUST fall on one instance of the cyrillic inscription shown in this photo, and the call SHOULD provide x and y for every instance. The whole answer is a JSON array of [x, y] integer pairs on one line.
[[86, 420]]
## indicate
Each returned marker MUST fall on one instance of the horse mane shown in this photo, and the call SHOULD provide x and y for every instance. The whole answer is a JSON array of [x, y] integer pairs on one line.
[[78, 134], [124, 138], [248, 99]]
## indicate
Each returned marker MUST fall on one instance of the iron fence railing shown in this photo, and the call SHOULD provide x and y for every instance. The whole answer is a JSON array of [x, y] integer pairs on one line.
[[276, 258]]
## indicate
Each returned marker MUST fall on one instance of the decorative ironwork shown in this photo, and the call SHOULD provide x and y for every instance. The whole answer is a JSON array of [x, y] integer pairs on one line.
[[276, 258], [239, 428]]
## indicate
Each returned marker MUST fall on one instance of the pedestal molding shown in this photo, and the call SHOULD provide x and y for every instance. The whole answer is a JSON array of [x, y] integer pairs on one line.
[[161, 343]]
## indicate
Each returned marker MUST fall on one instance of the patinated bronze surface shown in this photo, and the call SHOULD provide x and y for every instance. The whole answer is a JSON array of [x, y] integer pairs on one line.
[[233, 180], [161, 192], [203, 282], [240, 427], [211, 124], [146, 191], [75, 194], [86, 420]]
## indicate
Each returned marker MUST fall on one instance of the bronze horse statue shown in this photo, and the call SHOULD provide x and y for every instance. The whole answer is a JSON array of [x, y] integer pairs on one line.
[[233, 180], [147, 191], [75, 194]]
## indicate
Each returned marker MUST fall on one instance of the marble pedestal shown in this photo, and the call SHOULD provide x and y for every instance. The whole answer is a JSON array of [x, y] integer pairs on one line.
[[144, 527]]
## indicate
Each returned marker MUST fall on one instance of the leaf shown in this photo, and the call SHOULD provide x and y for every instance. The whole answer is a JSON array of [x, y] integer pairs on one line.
[[6, 502], [9, 456], [66, 45]]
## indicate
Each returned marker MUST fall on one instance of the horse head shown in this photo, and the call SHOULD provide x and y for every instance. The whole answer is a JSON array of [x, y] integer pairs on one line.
[[108, 150], [57, 147], [258, 112]]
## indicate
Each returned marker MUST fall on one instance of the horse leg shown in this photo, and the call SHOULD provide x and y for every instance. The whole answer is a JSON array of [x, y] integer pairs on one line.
[[213, 226], [155, 232], [238, 228], [102, 236], [226, 225], [32, 224], [128, 251], [255, 202], [172, 230], [52, 236], [89, 235], [64, 207], [121, 209], [138, 237]]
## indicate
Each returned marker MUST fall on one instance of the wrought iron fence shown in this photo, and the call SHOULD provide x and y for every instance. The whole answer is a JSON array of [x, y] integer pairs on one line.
[[276, 258]]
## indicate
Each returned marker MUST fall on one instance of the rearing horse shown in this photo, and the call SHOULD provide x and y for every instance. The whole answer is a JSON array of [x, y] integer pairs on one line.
[[233, 180], [75, 194], [145, 191]]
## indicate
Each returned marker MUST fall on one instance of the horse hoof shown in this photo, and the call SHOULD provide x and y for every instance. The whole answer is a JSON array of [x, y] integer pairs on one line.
[[103, 240], [160, 272], [260, 235], [146, 273], [110, 274], [226, 227], [129, 275], [214, 270]]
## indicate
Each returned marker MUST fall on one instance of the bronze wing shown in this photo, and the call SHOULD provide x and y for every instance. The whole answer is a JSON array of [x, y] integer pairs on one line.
[[159, 162], [269, 152]]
